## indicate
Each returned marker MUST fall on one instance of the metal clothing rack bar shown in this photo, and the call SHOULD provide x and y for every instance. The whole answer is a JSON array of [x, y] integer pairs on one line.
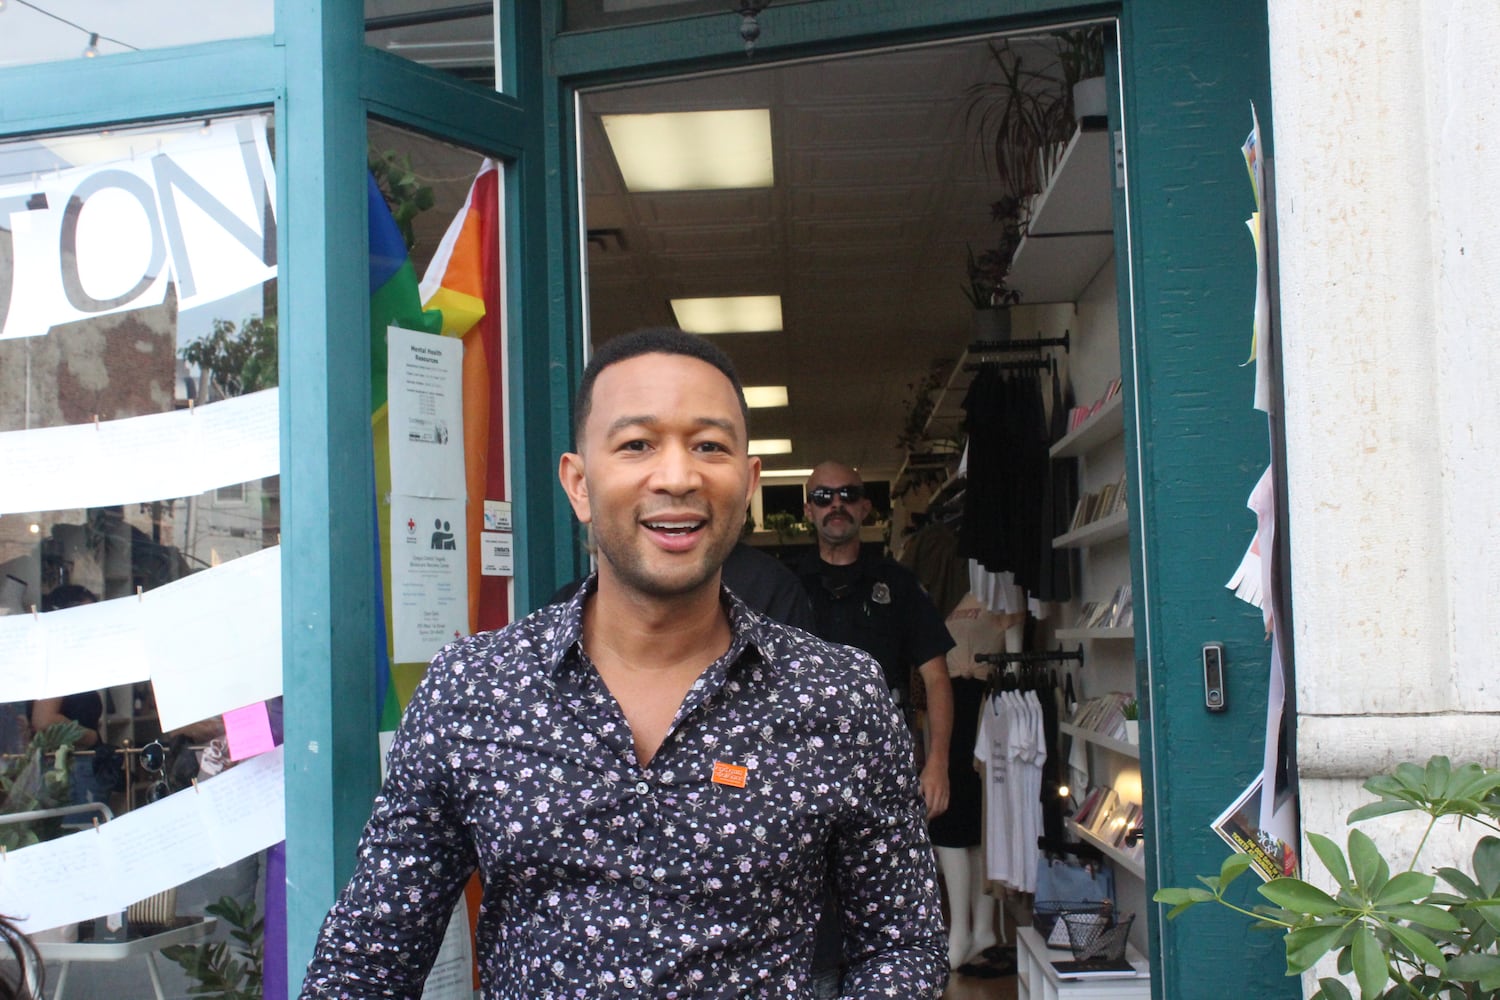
[[1031, 656], [1007, 346], [1029, 364]]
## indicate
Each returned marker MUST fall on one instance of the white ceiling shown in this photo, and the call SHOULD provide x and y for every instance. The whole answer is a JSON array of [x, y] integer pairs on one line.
[[880, 187]]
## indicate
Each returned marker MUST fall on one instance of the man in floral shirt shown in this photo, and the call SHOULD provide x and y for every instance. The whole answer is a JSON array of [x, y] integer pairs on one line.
[[652, 780]]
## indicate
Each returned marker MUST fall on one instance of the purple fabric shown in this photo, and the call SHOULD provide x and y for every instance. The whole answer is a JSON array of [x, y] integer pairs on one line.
[[274, 979]]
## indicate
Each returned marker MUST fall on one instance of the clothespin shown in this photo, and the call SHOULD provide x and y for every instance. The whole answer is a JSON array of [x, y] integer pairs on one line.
[[195, 786], [190, 406], [138, 592], [34, 614], [96, 421], [96, 824]]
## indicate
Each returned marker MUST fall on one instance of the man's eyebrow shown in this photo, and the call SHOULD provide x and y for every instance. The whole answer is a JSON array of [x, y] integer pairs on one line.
[[647, 419]]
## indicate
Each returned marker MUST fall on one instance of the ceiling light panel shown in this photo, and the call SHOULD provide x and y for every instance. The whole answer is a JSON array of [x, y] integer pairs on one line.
[[729, 314], [763, 397], [692, 150], [771, 446]]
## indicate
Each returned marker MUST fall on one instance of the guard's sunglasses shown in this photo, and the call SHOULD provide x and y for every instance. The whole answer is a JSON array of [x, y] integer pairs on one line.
[[822, 496]]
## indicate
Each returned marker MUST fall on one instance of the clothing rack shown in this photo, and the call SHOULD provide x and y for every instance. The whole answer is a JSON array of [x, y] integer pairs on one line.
[[1048, 365], [1000, 346], [1031, 656]]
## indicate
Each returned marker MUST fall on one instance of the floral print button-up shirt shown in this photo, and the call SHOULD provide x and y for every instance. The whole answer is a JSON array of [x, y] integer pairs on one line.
[[698, 876]]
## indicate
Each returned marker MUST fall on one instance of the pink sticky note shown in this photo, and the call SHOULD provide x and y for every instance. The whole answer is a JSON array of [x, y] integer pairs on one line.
[[248, 730]]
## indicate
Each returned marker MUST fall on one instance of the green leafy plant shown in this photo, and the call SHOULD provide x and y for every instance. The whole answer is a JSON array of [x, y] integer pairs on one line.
[[41, 779], [403, 189], [238, 360], [1080, 56], [1131, 710], [921, 402], [221, 971], [1400, 935], [785, 525]]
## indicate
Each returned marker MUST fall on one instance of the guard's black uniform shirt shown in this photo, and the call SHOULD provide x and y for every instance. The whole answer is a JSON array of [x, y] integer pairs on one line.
[[879, 606]]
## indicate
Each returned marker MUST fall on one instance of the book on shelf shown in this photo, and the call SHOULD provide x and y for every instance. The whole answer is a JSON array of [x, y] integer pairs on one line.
[[1104, 814], [1085, 612], [1113, 389], [1085, 810], [1122, 609]]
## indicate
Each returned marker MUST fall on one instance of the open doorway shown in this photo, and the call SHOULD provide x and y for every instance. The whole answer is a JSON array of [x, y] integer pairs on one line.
[[888, 210]]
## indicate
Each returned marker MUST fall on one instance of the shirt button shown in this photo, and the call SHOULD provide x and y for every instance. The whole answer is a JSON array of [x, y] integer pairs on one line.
[[639, 882], [642, 787]]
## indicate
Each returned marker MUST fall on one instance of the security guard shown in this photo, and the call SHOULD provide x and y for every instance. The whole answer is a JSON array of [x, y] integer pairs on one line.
[[873, 603]]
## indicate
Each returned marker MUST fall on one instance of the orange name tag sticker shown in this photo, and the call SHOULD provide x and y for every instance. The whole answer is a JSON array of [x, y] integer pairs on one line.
[[729, 774]]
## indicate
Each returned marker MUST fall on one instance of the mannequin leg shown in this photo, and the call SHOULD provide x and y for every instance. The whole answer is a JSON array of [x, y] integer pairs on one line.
[[1015, 635], [982, 907], [959, 880]]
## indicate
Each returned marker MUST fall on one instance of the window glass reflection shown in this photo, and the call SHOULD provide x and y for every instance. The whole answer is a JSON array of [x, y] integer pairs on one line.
[[139, 516], [447, 35]]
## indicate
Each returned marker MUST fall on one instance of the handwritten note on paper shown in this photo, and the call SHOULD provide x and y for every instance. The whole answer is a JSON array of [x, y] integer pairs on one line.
[[23, 658], [189, 833], [45, 885], [244, 808], [248, 731], [238, 603], [155, 457], [94, 646]]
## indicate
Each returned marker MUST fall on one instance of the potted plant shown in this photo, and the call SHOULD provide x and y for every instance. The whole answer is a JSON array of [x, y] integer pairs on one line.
[[987, 289], [220, 971], [1132, 712], [1080, 58], [1399, 935], [40, 779], [1018, 116]]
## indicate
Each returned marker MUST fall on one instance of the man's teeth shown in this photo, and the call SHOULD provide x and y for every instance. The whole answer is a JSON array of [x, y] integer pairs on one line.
[[673, 525]]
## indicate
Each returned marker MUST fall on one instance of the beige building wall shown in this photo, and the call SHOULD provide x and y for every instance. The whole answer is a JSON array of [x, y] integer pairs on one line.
[[1387, 152]]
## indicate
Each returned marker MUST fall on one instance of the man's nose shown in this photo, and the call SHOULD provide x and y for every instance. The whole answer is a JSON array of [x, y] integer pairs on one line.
[[676, 471]]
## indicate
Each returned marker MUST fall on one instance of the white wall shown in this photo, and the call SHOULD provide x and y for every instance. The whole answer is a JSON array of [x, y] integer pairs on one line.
[[1387, 167]]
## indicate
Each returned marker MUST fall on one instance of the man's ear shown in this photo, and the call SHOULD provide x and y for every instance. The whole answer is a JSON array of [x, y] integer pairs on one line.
[[754, 478], [570, 474]]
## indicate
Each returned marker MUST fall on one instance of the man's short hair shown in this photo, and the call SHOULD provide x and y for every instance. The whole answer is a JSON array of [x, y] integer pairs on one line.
[[653, 340], [68, 595]]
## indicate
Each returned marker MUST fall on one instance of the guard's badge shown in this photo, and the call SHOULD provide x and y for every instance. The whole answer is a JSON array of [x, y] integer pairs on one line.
[[881, 594]]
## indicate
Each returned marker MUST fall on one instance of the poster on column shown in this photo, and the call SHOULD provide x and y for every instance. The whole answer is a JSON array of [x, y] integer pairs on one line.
[[429, 576], [426, 414]]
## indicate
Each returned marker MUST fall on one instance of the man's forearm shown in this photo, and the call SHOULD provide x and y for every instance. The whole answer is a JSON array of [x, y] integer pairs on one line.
[[939, 691]]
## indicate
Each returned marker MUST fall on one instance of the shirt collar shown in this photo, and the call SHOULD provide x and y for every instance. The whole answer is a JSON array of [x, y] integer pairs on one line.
[[747, 628]]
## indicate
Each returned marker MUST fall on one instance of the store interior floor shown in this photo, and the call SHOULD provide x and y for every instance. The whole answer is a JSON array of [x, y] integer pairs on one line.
[[970, 988]]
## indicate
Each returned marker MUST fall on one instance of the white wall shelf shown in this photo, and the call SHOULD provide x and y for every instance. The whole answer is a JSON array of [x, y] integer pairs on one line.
[[1037, 978], [1106, 425], [1109, 850], [1079, 634], [1116, 525], [1100, 740], [1070, 234]]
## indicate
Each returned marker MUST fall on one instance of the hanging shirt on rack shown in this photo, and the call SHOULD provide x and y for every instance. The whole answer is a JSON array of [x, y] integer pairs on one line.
[[1012, 746]]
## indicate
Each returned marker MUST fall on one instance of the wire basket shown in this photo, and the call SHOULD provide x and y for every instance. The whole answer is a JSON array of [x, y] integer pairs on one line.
[[1047, 914], [1097, 937]]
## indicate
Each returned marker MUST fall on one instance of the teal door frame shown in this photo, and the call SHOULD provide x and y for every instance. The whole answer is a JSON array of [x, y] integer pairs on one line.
[[1189, 72]]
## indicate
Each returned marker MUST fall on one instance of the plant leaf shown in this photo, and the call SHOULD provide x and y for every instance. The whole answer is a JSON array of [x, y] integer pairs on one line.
[[1369, 964], [1370, 868], [1405, 887], [1487, 865], [1382, 808], [1419, 945], [1333, 989], [1461, 881], [1305, 945], [1483, 969], [1425, 915], [1233, 867], [1332, 858], [1300, 897]]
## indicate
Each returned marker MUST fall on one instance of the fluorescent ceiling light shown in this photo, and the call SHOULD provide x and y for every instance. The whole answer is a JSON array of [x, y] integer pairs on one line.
[[729, 314], [692, 150], [761, 397], [785, 473], [771, 446]]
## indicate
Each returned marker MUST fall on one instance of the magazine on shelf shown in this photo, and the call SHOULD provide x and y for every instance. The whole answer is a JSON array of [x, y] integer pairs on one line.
[[1085, 612], [1121, 613]]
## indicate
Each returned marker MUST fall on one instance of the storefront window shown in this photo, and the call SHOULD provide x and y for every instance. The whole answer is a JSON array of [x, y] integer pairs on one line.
[[140, 635], [457, 38], [36, 31]]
